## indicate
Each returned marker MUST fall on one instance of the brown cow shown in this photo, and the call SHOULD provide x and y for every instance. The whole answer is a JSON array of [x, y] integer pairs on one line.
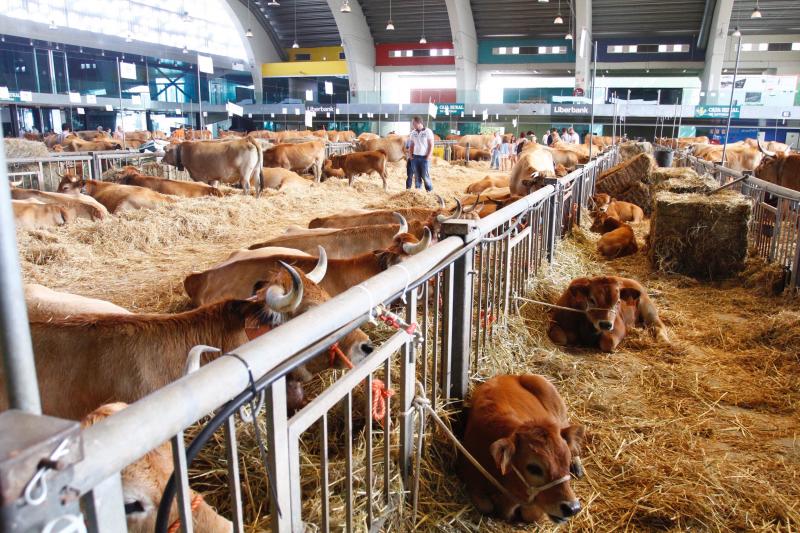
[[430, 217], [490, 200], [238, 160], [44, 304], [475, 154], [236, 279], [86, 360], [618, 239], [622, 211], [282, 179], [300, 157], [329, 172], [29, 214], [75, 144], [113, 196], [143, 485], [606, 307], [780, 169], [76, 206], [768, 146], [530, 170], [477, 187], [186, 189], [476, 142], [519, 431], [362, 163], [367, 136], [346, 242], [392, 146]]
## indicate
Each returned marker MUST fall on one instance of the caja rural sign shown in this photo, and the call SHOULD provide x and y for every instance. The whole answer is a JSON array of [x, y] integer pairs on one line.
[[449, 109], [716, 111]]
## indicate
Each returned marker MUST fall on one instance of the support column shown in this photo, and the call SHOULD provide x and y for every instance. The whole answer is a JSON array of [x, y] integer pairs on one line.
[[715, 52], [359, 50], [583, 45], [465, 48]]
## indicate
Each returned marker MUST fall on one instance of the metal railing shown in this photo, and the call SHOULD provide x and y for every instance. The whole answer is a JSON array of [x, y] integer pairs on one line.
[[338, 148], [774, 231], [457, 294]]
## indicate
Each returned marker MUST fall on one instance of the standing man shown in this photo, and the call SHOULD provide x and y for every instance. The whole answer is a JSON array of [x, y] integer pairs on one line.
[[573, 137], [497, 142], [422, 150]]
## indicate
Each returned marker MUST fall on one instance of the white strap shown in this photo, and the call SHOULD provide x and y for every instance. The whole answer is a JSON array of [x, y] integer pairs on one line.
[[371, 312], [408, 281]]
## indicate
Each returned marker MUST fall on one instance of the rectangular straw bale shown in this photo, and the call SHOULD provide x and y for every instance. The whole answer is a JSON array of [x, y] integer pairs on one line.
[[638, 194], [684, 185], [631, 149], [699, 235], [620, 177]]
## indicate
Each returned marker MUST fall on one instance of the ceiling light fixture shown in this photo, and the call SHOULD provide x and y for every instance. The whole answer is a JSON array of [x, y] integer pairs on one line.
[[53, 25], [568, 36], [756, 14], [423, 40], [273, 3], [248, 33], [129, 38], [558, 19], [294, 44], [185, 49], [737, 32], [390, 24], [345, 7]]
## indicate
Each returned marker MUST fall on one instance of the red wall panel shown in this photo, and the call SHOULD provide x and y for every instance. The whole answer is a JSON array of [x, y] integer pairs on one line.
[[437, 96], [382, 58]]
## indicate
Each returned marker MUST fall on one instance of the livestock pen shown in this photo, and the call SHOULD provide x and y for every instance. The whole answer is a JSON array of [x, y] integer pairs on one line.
[[448, 314]]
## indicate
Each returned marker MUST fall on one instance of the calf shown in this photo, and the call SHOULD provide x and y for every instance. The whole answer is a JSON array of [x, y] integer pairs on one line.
[[300, 157], [475, 154], [81, 206], [281, 179], [29, 214], [606, 307], [113, 196], [519, 431], [143, 485], [187, 189], [362, 163], [44, 304], [622, 211], [477, 187], [618, 239]]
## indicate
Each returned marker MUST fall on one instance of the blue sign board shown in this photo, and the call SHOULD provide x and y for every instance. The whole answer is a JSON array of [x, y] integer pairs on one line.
[[716, 111], [449, 109]]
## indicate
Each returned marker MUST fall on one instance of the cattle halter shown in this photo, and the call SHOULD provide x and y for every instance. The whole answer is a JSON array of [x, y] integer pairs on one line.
[[612, 310]]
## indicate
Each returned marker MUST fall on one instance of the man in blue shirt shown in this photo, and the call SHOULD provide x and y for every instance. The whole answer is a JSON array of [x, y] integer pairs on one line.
[[421, 139]]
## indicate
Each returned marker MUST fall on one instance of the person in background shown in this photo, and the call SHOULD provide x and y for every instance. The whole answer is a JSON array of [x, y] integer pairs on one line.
[[573, 136], [512, 151], [563, 134], [66, 130], [408, 151], [531, 136], [495, 149], [553, 137], [422, 150], [118, 133], [505, 152], [546, 138]]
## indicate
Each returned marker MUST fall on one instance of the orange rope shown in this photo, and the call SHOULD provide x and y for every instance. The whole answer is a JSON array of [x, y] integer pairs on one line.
[[379, 396], [335, 352], [176, 525]]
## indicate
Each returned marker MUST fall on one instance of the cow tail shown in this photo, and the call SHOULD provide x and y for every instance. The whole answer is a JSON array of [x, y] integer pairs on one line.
[[259, 177]]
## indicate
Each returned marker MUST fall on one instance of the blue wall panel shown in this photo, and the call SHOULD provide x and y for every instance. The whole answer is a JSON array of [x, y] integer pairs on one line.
[[485, 55]]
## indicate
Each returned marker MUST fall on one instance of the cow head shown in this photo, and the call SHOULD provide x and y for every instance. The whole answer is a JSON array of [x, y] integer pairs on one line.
[[143, 484], [601, 298], [291, 293], [535, 182], [601, 202], [539, 455], [70, 183], [403, 246], [172, 156]]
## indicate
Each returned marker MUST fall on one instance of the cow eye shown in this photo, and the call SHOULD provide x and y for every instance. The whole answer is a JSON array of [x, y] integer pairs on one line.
[[535, 470], [134, 507]]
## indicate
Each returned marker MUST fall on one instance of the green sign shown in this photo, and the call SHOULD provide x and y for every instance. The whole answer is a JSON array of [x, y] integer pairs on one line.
[[449, 109], [716, 111]]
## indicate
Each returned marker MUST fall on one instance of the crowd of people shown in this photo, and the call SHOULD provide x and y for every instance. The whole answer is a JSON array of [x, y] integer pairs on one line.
[[505, 150]]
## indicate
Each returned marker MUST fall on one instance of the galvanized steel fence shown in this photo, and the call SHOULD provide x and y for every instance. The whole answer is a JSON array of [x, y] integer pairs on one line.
[[441, 311]]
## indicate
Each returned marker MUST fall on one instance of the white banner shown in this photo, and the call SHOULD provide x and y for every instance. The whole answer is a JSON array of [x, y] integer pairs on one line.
[[205, 64], [234, 109], [296, 110], [309, 121], [485, 114], [127, 71], [272, 115], [328, 87], [309, 95], [81, 111], [284, 111], [178, 111], [432, 109], [91, 99], [514, 122], [109, 107], [4, 93], [75, 98], [136, 99]]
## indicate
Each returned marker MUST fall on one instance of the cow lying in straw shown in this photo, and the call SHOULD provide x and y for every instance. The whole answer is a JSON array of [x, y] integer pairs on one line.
[[44, 303], [143, 485], [432, 218], [114, 197], [618, 239], [187, 189], [622, 211], [86, 360], [519, 431], [605, 307], [79, 206]]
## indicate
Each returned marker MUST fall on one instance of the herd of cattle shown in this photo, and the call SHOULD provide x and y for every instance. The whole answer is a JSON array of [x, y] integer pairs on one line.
[[90, 352]]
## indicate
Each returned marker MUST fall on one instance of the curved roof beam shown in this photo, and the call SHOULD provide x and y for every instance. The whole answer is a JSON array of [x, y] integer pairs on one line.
[[260, 48], [465, 48], [359, 47]]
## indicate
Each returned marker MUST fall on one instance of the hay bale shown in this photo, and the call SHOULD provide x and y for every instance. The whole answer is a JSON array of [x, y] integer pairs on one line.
[[686, 185], [631, 149], [621, 177], [698, 235], [638, 194], [19, 148]]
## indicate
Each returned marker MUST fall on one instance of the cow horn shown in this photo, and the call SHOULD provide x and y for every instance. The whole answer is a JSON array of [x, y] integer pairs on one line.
[[319, 271], [763, 151], [16, 183], [441, 201], [474, 205], [413, 249], [403, 224], [456, 213], [285, 303]]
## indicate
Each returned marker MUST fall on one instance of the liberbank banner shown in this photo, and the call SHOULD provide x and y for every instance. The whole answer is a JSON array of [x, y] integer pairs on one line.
[[571, 109]]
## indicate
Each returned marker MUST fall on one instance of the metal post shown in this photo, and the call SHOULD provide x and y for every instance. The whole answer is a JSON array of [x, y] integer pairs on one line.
[[462, 287], [730, 103], [200, 97], [279, 459], [447, 332], [591, 101], [552, 219], [407, 393], [105, 506], [15, 339], [121, 110]]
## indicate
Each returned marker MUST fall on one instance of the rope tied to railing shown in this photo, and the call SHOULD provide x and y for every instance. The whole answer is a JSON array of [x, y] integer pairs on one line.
[[176, 524]]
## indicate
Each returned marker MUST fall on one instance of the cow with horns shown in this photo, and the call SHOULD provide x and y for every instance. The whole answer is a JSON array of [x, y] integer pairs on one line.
[[779, 168]]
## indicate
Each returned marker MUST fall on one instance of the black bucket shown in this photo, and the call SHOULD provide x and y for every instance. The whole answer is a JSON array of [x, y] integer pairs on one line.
[[664, 158]]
